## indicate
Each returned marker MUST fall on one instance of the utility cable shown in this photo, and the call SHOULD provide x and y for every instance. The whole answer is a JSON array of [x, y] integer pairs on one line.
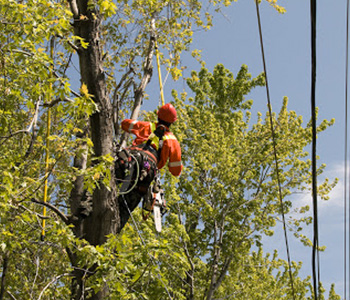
[[315, 248], [346, 149], [274, 149]]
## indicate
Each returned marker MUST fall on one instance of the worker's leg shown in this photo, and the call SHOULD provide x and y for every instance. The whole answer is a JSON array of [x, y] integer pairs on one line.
[[127, 204]]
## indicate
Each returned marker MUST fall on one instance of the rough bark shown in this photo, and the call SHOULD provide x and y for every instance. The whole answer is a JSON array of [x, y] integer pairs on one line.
[[77, 192], [104, 218]]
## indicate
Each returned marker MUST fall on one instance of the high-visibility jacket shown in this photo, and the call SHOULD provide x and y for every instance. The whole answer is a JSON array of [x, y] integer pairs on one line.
[[171, 147]]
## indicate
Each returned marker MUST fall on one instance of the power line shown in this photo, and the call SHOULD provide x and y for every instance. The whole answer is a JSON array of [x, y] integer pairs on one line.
[[346, 148], [315, 248], [274, 149]]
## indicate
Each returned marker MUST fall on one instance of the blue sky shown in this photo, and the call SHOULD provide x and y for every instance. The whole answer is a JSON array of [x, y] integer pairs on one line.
[[234, 40]]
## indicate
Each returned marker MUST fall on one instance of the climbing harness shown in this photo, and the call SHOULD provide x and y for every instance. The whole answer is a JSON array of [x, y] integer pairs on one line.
[[140, 158]]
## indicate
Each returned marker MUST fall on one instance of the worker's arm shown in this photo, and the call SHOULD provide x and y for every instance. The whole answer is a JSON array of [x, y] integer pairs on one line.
[[129, 125], [171, 150]]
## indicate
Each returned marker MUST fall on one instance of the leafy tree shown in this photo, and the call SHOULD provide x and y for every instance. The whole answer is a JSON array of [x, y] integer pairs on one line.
[[227, 197]]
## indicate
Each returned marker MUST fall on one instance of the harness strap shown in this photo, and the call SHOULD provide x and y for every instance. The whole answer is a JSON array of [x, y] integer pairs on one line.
[[156, 137], [152, 154]]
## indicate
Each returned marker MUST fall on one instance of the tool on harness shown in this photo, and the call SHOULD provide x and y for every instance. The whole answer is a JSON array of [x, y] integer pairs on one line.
[[145, 170], [154, 201], [122, 164]]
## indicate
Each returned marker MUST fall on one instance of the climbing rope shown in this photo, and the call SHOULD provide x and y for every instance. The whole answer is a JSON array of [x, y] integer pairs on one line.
[[159, 73], [47, 154], [48, 124], [274, 149], [137, 176]]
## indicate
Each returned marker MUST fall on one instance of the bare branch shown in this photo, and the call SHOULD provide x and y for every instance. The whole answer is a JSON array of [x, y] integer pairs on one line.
[[125, 76], [63, 217], [37, 263], [31, 126], [23, 52], [74, 8], [51, 282], [57, 100], [147, 74], [117, 104], [37, 214], [73, 46], [12, 296]]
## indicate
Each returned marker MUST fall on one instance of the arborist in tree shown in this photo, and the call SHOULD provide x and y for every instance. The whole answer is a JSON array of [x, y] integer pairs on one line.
[[137, 166]]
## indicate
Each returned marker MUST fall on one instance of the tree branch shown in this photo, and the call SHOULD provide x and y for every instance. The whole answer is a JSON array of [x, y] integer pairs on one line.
[[141, 275], [12, 296], [37, 214], [31, 127], [57, 100], [147, 74], [51, 282], [60, 214], [74, 8]]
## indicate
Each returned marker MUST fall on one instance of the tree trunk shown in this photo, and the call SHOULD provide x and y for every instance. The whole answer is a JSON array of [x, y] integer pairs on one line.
[[105, 216]]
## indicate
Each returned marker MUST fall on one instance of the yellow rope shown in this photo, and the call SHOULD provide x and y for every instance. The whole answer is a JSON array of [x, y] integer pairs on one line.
[[47, 154], [48, 124], [159, 74]]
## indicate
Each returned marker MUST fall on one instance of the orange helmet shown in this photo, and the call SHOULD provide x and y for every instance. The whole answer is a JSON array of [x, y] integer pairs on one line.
[[167, 113]]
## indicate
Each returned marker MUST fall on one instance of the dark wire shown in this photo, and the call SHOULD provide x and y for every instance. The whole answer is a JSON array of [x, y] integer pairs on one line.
[[142, 241], [315, 251], [274, 149], [346, 148]]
